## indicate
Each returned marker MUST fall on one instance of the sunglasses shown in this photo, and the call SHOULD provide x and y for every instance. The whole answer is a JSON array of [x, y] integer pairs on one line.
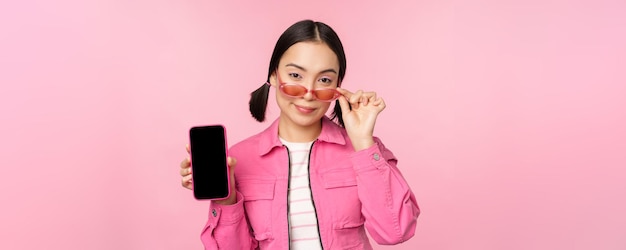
[[296, 91]]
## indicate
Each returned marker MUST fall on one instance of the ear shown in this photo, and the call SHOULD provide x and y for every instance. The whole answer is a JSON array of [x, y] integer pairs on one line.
[[273, 80]]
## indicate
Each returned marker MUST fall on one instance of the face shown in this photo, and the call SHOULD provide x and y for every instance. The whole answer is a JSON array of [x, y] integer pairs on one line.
[[312, 65]]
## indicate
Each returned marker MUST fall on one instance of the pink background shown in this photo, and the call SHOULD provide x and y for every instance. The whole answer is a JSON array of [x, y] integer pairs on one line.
[[509, 117]]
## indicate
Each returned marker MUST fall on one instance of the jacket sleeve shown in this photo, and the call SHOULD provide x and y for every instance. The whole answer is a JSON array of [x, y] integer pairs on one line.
[[227, 227], [388, 204]]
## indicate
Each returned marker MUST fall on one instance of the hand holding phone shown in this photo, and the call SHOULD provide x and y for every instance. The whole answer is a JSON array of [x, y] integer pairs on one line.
[[209, 162]]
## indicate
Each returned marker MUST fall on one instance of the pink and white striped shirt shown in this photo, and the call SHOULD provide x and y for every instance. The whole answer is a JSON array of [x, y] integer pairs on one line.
[[303, 229]]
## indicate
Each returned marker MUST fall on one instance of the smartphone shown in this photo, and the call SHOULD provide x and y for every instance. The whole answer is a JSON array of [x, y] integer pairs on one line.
[[209, 168]]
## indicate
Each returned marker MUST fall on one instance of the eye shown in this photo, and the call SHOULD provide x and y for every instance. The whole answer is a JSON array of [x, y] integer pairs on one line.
[[295, 75], [326, 80]]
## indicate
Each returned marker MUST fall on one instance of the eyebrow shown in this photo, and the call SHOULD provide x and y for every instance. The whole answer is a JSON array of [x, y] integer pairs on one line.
[[303, 69]]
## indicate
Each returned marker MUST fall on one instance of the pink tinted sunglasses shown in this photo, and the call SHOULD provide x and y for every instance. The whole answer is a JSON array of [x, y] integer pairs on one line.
[[297, 90]]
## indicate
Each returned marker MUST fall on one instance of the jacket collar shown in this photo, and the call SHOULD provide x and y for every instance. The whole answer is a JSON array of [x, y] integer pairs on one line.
[[331, 132]]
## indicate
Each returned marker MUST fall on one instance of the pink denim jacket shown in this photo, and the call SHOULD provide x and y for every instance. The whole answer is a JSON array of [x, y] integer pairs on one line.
[[351, 191]]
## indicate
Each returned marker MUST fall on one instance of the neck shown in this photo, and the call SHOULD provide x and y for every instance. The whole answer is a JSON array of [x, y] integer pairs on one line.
[[295, 133]]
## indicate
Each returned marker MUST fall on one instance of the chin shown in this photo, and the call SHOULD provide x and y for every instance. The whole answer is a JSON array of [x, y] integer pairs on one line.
[[305, 121]]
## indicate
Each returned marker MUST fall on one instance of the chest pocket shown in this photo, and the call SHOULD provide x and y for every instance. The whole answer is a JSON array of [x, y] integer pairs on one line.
[[341, 189], [258, 195], [339, 178]]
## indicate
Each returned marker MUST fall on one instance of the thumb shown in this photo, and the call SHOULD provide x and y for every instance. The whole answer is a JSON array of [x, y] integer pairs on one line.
[[231, 168], [345, 106], [231, 162]]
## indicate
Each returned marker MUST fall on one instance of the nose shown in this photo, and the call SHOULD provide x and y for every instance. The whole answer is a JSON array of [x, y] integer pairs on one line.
[[309, 94]]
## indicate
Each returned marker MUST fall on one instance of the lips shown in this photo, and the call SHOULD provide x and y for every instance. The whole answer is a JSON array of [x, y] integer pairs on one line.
[[305, 110]]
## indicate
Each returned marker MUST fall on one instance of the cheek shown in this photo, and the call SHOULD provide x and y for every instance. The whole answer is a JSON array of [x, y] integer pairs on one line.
[[325, 107], [280, 99]]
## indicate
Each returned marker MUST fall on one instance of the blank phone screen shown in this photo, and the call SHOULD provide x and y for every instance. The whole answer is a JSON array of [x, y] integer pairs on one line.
[[208, 162]]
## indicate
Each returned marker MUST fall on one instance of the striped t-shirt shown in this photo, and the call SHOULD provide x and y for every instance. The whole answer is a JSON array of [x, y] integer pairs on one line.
[[303, 229]]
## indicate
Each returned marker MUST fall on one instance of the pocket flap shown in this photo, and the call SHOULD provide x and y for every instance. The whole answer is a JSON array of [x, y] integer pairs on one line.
[[343, 177], [350, 224], [255, 188]]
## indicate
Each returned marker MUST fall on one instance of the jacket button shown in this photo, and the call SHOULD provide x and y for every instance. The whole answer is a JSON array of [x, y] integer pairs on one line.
[[376, 156], [214, 212]]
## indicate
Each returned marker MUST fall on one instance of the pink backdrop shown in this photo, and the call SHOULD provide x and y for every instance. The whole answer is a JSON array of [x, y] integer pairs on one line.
[[508, 116]]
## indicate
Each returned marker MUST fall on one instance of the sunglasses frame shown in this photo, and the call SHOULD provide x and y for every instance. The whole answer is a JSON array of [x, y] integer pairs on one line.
[[282, 84]]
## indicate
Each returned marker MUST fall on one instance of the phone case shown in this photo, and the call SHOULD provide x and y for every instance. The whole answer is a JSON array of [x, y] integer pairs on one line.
[[227, 166]]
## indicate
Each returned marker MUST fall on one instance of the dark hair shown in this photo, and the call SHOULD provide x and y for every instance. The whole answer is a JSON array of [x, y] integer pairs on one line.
[[302, 31]]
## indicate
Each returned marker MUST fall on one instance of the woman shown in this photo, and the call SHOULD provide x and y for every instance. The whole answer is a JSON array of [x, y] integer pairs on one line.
[[307, 182]]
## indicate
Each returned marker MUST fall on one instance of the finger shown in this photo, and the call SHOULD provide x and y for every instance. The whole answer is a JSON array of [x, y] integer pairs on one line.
[[372, 96], [377, 101], [231, 161], [356, 97], [345, 92], [185, 171], [344, 105], [364, 101], [187, 182], [188, 148], [355, 100], [381, 104], [185, 163]]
